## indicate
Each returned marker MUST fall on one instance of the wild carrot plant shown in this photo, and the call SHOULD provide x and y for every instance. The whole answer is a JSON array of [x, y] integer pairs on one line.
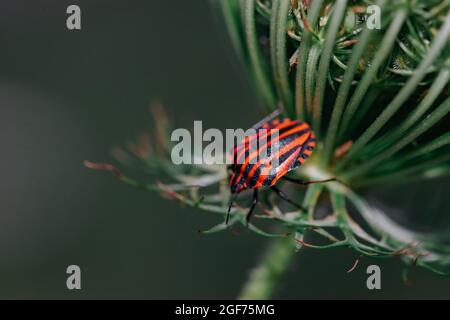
[[376, 98]]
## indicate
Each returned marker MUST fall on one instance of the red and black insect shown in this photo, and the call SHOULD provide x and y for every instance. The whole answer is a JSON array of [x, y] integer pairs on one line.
[[294, 143]]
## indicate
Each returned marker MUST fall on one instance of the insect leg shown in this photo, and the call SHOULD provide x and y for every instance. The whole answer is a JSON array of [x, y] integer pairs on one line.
[[233, 199], [305, 183], [284, 196], [254, 202]]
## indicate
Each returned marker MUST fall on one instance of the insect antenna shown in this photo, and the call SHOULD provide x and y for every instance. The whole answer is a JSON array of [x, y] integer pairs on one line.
[[254, 202], [305, 183], [271, 116]]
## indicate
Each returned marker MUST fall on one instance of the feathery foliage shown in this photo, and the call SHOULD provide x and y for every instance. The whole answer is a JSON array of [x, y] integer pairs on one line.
[[377, 100]]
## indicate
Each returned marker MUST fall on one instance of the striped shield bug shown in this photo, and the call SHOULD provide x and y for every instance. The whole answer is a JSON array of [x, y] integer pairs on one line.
[[277, 146]]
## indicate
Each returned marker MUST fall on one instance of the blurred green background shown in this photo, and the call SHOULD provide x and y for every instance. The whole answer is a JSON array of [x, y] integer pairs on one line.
[[67, 96]]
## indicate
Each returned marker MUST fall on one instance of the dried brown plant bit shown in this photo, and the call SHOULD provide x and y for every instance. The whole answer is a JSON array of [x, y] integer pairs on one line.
[[355, 264], [169, 193], [343, 149], [103, 166], [142, 147]]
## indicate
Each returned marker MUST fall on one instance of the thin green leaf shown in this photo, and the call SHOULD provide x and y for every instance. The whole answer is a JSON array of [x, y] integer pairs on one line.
[[258, 67], [324, 64]]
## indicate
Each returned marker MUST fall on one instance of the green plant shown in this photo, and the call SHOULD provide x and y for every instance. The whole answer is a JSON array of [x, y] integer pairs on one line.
[[377, 101]]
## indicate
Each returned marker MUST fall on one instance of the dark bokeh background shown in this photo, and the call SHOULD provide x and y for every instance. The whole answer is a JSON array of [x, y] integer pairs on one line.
[[69, 96]]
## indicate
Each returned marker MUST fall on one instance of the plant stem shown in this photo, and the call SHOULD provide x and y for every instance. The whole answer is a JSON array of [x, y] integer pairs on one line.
[[276, 259], [258, 68], [304, 49], [426, 124], [371, 73], [278, 50], [438, 45], [344, 91], [324, 64], [229, 9], [266, 275]]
